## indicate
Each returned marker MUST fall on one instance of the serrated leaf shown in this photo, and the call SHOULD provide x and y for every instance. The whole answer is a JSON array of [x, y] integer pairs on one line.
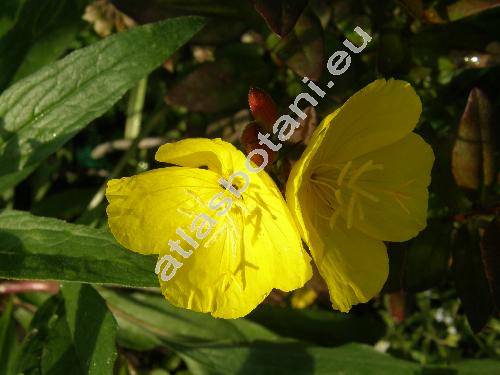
[[43, 111], [280, 15], [50, 249], [302, 50]]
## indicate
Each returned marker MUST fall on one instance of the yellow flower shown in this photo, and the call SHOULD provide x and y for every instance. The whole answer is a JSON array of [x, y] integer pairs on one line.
[[217, 253], [362, 180]]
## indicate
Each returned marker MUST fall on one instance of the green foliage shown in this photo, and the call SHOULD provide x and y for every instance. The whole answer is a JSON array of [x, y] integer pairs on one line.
[[42, 112], [65, 128], [50, 249]]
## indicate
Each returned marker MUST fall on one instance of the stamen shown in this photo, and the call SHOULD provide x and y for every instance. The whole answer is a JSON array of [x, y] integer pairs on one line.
[[360, 211], [343, 172], [359, 172], [397, 197], [338, 196], [364, 193], [333, 219], [350, 210]]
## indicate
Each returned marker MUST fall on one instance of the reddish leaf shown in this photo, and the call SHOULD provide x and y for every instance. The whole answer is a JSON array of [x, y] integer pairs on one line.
[[470, 280], [414, 7], [472, 156], [303, 49], [280, 15], [460, 9], [490, 252], [465, 8]]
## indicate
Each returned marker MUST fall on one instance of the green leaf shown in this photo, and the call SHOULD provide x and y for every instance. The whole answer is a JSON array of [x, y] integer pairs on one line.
[[477, 367], [42, 31], [215, 346], [8, 340], [320, 327], [43, 111], [29, 361], [87, 330], [293, 358], [50, 249], [8, 15], [146, 321]]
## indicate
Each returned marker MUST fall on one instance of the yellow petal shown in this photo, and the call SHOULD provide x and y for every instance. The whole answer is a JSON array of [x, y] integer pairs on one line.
[[219, 156], [143, 209], [247, 252], [354, 266], [379, 114], [395, 206]]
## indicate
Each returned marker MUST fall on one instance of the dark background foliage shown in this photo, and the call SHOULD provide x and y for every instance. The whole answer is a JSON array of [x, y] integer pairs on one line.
[[438, 311]]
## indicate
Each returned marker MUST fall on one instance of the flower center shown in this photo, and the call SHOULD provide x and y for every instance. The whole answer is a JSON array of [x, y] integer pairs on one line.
[[337, 185]]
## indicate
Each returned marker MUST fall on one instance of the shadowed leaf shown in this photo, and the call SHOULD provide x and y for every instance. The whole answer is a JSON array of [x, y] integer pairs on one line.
[[221, 85], [470, 280], [303, 49], [490, 251], [472, 155], [280, 15], [50, 249]]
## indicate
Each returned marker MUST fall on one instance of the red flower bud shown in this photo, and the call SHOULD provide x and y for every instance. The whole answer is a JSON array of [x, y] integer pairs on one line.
[[263, 108], [250, 142]]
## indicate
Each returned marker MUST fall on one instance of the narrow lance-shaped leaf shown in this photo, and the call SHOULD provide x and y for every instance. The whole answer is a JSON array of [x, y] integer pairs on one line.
[[303, 49], [50, 249], [472, 156], [470, 280], [43, 111], [490, 254], [280, 15], [91, 327]]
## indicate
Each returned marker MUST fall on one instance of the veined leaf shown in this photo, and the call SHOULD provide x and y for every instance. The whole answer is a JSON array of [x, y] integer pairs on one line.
[[50, 24], [146, 321], [43, 111], [292, 358], [87, 328], [50, 249]]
